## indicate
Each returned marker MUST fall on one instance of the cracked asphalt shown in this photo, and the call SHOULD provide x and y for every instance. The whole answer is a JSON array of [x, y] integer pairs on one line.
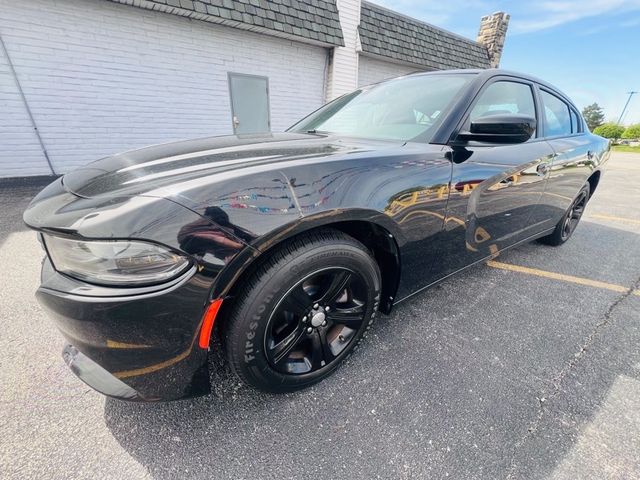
[[492, 374]]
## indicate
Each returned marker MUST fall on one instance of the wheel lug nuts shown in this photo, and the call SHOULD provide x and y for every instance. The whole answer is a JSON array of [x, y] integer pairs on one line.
[[316, 305], [309, 330], [304, 319], [327, 309], [324, 324]]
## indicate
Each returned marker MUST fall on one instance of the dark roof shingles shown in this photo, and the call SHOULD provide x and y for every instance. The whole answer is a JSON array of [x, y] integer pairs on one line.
[[393, 35], [315, 20]]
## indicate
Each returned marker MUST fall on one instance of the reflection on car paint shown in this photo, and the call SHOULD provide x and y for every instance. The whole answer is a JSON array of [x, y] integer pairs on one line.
[[215, 235]]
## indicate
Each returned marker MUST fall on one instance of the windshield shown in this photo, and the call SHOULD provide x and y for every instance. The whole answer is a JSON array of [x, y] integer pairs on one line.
[[408, 108]]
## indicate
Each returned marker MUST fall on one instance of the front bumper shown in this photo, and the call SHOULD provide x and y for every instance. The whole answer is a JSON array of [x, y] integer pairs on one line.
[[137, 343], [140, 347], [97, 377]]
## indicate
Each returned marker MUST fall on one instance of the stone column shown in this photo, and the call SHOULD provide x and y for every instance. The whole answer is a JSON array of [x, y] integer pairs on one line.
[[492, 33]]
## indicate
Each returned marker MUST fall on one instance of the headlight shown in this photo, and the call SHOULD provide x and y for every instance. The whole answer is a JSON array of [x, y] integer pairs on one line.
[[117, 262]]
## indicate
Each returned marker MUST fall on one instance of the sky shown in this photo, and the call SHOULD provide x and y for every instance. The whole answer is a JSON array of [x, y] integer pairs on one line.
[[589, 49]]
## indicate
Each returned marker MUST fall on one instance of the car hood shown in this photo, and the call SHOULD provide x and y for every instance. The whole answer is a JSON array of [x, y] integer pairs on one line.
[[155, 170]]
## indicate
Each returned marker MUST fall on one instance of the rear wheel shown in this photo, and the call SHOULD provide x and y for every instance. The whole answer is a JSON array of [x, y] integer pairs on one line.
[[302, 312], [569, 221]]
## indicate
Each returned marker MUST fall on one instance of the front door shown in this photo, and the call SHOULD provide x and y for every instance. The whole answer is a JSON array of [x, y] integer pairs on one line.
[[249, 103], [495, 189]]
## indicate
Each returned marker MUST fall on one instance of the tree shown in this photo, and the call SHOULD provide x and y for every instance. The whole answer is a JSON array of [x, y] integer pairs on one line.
[[609, 130], [632, 132], [593, 115]]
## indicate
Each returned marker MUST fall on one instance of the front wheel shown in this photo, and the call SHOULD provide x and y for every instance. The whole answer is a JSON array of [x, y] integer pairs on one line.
[[302, 312], [569, 221]]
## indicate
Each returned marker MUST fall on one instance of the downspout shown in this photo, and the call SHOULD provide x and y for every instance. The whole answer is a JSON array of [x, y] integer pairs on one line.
[[26, 104]]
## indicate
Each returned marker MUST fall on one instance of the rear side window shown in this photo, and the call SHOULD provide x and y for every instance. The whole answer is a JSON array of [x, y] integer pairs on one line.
[[556, 115], [575, 122], [504, 97]]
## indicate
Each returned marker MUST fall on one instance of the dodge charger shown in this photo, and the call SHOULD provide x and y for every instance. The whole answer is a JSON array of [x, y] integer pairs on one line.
[[290, 244]]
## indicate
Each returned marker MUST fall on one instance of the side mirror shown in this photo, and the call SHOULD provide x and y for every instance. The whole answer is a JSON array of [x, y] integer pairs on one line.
[[500, 128]]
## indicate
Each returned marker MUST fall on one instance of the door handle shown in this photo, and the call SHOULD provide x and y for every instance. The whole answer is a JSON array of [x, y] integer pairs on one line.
[[543, 169], [236, 122]]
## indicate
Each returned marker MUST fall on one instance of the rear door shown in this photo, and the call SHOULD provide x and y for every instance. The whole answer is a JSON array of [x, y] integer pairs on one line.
[[573, 155]]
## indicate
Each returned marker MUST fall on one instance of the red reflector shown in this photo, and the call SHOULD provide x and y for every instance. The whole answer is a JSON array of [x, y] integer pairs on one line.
[[207, 322]]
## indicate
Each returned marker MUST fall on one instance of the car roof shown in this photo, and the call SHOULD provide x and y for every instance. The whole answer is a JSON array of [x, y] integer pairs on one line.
[[485, 74]]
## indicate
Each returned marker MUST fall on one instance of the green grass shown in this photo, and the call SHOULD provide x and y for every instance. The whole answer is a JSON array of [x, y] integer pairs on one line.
[[626, 148]]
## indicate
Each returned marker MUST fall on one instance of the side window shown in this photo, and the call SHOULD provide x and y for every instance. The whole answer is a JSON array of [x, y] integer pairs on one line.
[[575, 122], [556, 114], [504, 97]]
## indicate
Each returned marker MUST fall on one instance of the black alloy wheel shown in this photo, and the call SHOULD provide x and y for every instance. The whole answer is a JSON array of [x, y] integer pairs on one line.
[[302, 312], [573, 216], [316, 320], [569, 221]]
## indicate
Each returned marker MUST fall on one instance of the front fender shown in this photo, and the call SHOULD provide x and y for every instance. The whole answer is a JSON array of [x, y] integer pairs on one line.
[[228, 277]]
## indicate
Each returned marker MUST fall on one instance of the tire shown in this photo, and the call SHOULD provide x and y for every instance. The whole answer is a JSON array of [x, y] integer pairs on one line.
[[302, 312], [569, 221]]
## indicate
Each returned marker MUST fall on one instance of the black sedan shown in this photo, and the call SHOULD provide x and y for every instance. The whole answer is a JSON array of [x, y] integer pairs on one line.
[[291, 243]]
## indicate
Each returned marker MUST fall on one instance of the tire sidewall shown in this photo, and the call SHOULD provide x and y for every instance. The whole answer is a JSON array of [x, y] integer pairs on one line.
[[555, 238], [560, 226], [247, 334]]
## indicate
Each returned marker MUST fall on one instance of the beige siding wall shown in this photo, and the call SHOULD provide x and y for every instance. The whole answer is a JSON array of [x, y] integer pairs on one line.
[[372, 70]]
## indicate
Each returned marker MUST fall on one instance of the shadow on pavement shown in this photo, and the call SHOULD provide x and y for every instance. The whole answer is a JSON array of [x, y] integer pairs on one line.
[[481, 376]]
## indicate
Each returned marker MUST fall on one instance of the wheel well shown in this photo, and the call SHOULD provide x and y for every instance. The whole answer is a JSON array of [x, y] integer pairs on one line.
[[377, 239], [385, 251], [593, 180]]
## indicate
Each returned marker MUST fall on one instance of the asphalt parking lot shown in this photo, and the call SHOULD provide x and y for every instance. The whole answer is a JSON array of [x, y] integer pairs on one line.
[[525, 368]]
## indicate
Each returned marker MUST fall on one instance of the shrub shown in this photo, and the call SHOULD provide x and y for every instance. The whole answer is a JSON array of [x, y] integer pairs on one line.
[[609, 130], [632, 132]]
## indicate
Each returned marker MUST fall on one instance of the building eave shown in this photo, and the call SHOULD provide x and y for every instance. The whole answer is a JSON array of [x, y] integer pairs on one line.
[[335, 40]]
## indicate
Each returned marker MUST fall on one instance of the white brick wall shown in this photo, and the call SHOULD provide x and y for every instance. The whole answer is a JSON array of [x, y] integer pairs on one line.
[[102, 77], [19, 148], [372, 70]]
